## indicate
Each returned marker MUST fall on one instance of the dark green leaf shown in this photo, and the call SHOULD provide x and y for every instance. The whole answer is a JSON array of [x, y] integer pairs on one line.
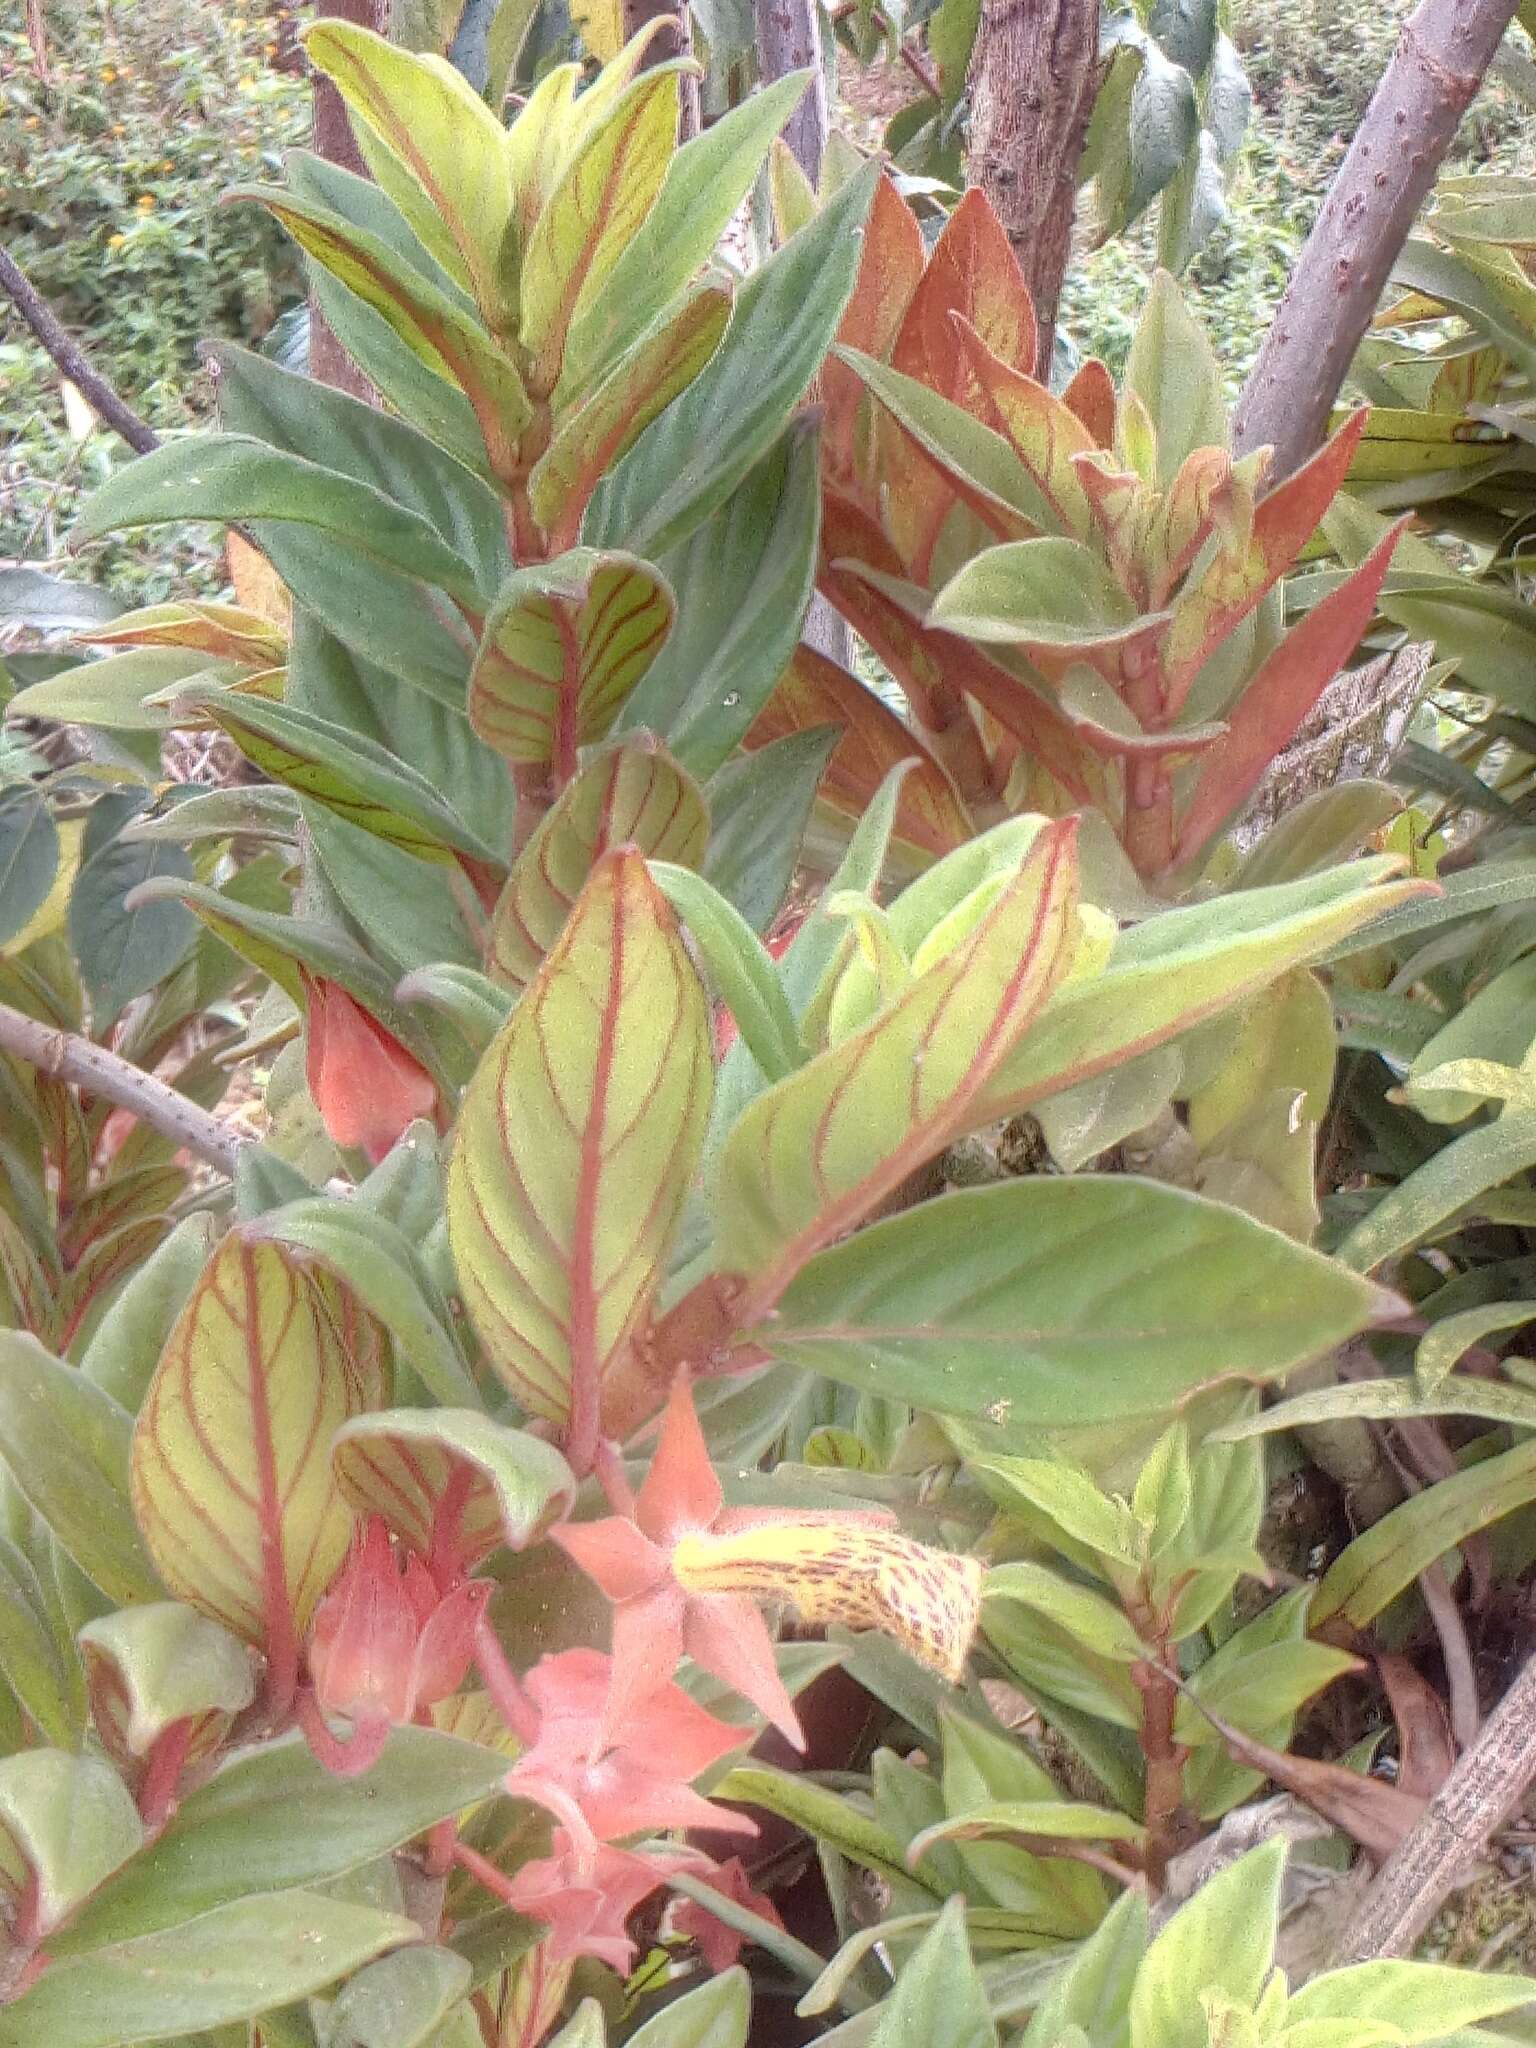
[[29, 857], [123, 952], [760, 804]]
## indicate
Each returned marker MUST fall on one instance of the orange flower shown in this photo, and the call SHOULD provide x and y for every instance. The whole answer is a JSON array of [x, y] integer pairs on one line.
[[366, 1086]]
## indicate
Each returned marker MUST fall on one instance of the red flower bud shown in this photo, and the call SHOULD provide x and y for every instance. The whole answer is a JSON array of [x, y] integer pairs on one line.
[[384, 1641], [366, 1086]]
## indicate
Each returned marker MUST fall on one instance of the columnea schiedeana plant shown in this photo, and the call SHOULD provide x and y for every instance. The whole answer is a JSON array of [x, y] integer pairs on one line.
[[406, 1543]]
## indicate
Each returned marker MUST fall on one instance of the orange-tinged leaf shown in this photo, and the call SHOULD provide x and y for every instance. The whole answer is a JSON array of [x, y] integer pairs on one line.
[[816, 1152], [889, 271], [605, 193], [641, 384], [1240, 574], [814, 691], [222, 631], [1091, 395], [633, 794], [434, 146], [258, 587], [578, 1140], [974, 272], [1279, 697], [231, 1475], [566, 643], [1044, 430]]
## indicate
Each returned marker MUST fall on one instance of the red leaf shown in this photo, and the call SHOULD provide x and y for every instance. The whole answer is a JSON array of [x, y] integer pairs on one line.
[[1279, 697], [1091, 395], [890, 270]]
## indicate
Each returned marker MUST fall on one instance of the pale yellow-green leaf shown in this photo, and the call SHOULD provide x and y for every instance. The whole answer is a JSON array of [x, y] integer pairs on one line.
[[578, 1139], [231, 1473]]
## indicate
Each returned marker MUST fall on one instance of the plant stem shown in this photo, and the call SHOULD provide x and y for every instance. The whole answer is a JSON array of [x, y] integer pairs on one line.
[[1441, 57], [1486, 1786], [1165, 1764], [67, 1056], [71, 360]]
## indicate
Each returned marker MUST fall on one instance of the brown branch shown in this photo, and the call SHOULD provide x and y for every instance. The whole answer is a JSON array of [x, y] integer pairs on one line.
[[69, 1057], [1483, 1790], [789, 39], [333, 139], [1034, 74], [70, 358], [1442, 55]]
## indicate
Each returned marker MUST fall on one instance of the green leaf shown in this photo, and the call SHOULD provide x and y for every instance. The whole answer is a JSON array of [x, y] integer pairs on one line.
[[124, 951], [1446, 1342], [1370, 1573], [406, 910], [611, 418], [939, 1999], [161, 1664], [814, 1154], [716, 2015], [1177, 969], [1451, 1179], [971, 453], [1222, 1943], [235, 1836], [371, 1256], [1095, 1621], [350, 774], [821, 1813], [230, 478], [566, 1179], [743, 582], [705, 183], [368, 444], [1491, 885], [564, 647], [1417, 2001], [632, 793], [1066, 1820], [29, 857], [1253, 1691], [786, 315], [435, 327], [1173, 370], [36, 1656], [66, 1823], [1093, 1990], [398, 2002], [122, 1356], [761, 803], [66, 1445], [740, 967], [1048, 1303], [232, 1484], [1051, 593], [509, 1486], [227, 1966], [111, 692]]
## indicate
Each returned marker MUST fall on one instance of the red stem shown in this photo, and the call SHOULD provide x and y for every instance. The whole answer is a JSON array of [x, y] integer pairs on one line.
[[501, 1682], [162, 1773]]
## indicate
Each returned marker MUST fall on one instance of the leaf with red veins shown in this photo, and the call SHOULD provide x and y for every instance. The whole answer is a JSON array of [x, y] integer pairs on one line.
[[1041, 429], [890, 268]]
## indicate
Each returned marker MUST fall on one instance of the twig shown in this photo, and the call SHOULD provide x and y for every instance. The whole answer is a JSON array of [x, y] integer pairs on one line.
[[69, 1057], [71, 360], [1486, 1786], [1445, 48]]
